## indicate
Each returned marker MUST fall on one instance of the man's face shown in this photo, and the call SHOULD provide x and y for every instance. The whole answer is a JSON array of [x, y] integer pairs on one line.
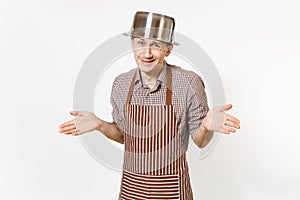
[[149, 54]]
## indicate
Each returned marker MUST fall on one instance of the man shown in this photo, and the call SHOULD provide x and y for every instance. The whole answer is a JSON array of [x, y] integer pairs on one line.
[[156, 106]]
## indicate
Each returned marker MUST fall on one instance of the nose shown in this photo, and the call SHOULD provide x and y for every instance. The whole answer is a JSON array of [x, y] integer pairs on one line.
[[148, 52]]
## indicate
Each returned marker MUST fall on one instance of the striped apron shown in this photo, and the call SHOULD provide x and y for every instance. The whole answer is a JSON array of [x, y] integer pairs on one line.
[[155, 165]]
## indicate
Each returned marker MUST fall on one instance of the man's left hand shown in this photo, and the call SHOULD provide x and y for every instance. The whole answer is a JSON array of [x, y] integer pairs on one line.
[[219, 121]]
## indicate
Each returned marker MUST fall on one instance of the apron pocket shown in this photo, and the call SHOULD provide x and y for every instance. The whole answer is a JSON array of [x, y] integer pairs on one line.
[[140, 186]]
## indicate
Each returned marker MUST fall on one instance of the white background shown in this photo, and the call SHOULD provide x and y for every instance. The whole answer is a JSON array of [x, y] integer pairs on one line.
[[254, 44]]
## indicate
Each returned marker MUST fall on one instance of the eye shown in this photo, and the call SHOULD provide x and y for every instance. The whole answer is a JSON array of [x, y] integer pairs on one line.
[[140, 43], [157, 46]]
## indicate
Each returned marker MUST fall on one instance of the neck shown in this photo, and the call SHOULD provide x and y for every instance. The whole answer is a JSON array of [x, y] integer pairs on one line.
[[151, 76]]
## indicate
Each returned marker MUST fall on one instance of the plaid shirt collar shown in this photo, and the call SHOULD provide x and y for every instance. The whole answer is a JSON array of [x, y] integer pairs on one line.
[[161, 79]]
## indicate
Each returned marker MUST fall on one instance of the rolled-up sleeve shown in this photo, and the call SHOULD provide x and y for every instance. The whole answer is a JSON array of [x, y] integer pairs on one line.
[[115, 100], [197, 106]]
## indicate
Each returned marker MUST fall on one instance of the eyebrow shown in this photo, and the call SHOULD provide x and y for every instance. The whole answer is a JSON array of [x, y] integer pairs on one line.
[[152, 41], [139, 38]]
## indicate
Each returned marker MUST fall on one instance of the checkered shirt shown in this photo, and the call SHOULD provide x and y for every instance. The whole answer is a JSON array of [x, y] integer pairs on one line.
[[188, 97]]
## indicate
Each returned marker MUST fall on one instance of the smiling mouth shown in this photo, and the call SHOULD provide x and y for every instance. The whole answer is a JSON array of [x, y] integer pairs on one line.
[[148, 61]]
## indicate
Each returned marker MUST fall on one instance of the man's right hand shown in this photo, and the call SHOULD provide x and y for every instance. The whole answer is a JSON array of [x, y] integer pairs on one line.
[[85, 122]]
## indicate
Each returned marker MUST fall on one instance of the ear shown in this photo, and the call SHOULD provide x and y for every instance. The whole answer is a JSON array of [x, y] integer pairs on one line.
[[168, 52], [131, 42]]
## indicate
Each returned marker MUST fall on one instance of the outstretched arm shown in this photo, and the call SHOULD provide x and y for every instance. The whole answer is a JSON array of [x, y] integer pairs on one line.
[[111, 131], [86, 122], [215, 120]]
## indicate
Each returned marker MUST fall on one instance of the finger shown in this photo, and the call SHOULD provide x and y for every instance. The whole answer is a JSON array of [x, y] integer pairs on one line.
[[76, 134], [226, 107], [232, 124], [68, 123], [232, 118], [76, 113], [67, 131], [71, 131], [228, 128], [71, 127], [223, 130]]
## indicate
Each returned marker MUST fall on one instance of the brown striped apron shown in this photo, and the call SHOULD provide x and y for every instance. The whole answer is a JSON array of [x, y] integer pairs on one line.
[[155, 165]]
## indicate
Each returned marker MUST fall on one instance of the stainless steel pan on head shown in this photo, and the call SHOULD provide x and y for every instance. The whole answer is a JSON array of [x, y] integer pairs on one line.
[[153, 26]]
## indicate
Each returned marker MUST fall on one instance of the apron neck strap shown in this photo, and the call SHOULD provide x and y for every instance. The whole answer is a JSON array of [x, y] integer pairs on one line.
[[169, 86], [130, 90]]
